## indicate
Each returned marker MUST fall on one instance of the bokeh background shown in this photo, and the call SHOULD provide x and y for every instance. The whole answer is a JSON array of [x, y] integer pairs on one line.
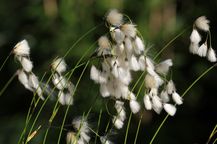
[[53, 26]]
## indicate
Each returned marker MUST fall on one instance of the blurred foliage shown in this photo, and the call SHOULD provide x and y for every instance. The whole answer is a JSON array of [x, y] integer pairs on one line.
[[52, 27]]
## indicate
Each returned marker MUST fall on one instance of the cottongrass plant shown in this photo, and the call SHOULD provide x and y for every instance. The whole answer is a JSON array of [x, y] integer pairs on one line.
[[120, 52]]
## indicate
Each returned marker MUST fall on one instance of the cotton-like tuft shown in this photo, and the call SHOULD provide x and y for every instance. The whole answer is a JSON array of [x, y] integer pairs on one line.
[[71, 138], [103, 42], [59, 65], [156, 101], [134, 106], [193, 48], [170, 87], [26, 64], [117, 35], [164, 66], [23, 78], [176, 98], [211, 55], [202, 23], [114, 17], [129, 30], [134, 65], [65, 98], [139, 45], [150, 81], [202, 51], [142, 63], [118, 122], [147, 102], [195, 37], [97, 76], [22, 48], [170, 109], [164, 96]]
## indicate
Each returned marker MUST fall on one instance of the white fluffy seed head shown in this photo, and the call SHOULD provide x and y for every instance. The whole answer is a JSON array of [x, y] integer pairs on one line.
[[170, 109], [65, 98], [26, 64], [118, 122], [193, 48], [150, 81], [105, 140], [177, 98], [117, 35], [114, 17], [147, 102], [60, 82], [202, 51], [156, 101], [129, 30], [195, 37], [170, 87], [128, 45], [139, 45], [134, 106], [164, 96], [59, 65], [22, 48], [103, 42], [211, 56], [71, 138], [164, 66], [97, 76], [202, 23], [134, 64], [23, 78], [33, 81], [142, 63]]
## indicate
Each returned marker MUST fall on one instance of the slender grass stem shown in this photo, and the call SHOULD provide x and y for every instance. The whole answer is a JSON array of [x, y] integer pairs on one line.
[[98, 125], [8, 83], [212, 134], [171, 41], [128, 127], [84, 35], [138, 128], [5, 61]]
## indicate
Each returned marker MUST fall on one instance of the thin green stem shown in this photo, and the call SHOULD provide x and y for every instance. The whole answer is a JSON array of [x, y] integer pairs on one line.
[[212, 133], [158, 54], [5, 61], [98, 125], [84, 35], [7, 84], [137, 131], [128, 127], [158, 129]]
